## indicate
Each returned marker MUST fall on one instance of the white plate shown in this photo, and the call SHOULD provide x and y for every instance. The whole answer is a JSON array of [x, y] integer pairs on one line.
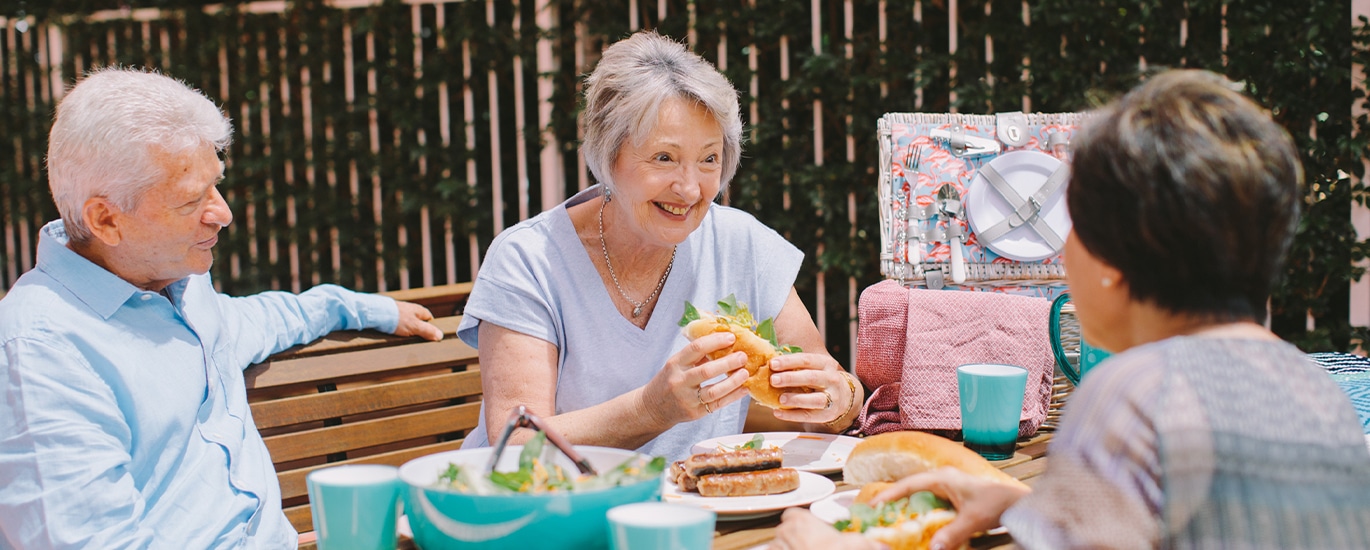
[[806, 452], [1025, 172], [811, 487], [837, 507], [834, 507]]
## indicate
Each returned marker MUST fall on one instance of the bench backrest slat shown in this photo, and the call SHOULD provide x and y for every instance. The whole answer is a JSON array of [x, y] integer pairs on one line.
[[389, 395], [370, 433], [347, 341], [369, 362], [293, 484]]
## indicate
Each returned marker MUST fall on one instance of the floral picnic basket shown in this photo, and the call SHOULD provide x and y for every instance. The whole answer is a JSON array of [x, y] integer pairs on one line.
[[975, 202]]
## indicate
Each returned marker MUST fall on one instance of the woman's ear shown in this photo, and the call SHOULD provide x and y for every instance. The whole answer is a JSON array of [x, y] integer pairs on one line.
[[1111, 280], [102, 220]]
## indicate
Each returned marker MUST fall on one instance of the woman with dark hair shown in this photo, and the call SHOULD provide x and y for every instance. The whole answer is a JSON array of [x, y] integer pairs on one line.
[[1205, 429]]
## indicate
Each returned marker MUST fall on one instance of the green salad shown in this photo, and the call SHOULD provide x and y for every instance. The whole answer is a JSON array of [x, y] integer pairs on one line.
[[735, 313], [891, 513], [535, 476]]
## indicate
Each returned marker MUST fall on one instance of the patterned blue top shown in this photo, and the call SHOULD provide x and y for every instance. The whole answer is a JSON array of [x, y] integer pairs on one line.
[[123, 415], [538, 280], [1203, 442]]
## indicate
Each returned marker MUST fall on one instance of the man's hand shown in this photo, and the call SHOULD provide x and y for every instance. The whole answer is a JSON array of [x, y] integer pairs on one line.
[[414, 321]]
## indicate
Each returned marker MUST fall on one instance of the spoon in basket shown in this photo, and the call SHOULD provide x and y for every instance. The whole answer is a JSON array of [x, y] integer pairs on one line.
[[949, 202]]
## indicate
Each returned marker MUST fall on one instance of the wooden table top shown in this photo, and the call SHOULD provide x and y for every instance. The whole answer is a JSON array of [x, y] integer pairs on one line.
[[1028, 462]]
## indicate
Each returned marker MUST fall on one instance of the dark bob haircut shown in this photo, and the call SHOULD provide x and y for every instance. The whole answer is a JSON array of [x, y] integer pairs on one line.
[[1191, 191]]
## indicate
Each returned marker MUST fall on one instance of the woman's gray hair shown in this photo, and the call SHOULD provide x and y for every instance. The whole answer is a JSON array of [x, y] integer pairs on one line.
[[112, 131], [633, 78]]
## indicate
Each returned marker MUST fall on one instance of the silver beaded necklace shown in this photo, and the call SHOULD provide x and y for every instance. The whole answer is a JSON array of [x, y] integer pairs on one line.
[[637, 306]]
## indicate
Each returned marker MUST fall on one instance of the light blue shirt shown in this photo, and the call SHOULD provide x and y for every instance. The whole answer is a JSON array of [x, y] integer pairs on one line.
[[123, 415], [538, 280]]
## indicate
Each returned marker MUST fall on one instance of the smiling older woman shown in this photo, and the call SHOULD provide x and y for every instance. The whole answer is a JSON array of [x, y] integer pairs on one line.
[[575, 310]]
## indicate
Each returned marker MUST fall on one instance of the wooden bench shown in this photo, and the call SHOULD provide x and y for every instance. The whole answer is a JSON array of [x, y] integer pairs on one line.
[[363, 397]]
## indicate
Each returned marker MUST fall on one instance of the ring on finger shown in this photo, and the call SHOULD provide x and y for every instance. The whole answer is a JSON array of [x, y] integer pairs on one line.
[[700, 396], [827, 405]]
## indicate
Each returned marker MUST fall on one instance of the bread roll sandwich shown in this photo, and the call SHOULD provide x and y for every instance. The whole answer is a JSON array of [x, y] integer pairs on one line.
[[892, 456], [904, 524], [880, 460], [755, 340]]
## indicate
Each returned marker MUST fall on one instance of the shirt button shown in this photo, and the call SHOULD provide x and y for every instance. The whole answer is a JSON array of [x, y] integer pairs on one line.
[[147, 297]]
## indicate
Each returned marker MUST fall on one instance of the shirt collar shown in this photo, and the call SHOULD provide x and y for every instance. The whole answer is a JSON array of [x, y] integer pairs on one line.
[[101, 290]]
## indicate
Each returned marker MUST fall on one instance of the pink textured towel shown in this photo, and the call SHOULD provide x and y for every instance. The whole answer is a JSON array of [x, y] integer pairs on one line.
[[910, 341]]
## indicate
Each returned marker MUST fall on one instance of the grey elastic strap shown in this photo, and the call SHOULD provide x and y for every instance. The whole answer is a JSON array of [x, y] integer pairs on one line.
[[1024, 210]]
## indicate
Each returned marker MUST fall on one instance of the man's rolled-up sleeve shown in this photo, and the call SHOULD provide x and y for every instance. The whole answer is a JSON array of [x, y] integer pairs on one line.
[[63, 455]]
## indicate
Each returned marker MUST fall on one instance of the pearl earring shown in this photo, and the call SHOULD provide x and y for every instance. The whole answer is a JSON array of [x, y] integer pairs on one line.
[[608, 194], [1106, 282]]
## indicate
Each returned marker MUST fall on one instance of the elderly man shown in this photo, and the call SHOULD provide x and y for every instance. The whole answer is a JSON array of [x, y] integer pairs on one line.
[[123, 417]]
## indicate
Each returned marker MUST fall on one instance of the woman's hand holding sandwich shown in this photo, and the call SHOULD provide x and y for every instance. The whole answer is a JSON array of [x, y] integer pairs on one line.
[[800, 376], [678, 392], [791, 389]]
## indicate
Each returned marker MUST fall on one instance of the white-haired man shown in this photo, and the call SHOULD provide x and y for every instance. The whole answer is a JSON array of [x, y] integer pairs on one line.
[[123, 417]]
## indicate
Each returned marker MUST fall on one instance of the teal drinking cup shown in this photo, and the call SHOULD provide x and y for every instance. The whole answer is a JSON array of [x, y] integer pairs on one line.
[[991, 404], [660, 526], [355, 506]]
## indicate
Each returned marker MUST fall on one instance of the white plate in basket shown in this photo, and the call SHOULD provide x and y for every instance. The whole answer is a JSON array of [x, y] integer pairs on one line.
[[1025, 171]]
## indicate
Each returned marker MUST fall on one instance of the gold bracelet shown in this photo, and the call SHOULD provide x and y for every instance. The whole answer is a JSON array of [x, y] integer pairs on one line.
[[852, 386]]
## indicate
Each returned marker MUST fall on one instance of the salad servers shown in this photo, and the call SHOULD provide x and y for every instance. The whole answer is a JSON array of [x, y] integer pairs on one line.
[[521, 417]]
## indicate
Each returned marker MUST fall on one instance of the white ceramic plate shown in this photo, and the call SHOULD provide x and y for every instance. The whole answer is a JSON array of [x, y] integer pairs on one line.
[[836, 507], [806, 452], [1025, 172], [811, 488]]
